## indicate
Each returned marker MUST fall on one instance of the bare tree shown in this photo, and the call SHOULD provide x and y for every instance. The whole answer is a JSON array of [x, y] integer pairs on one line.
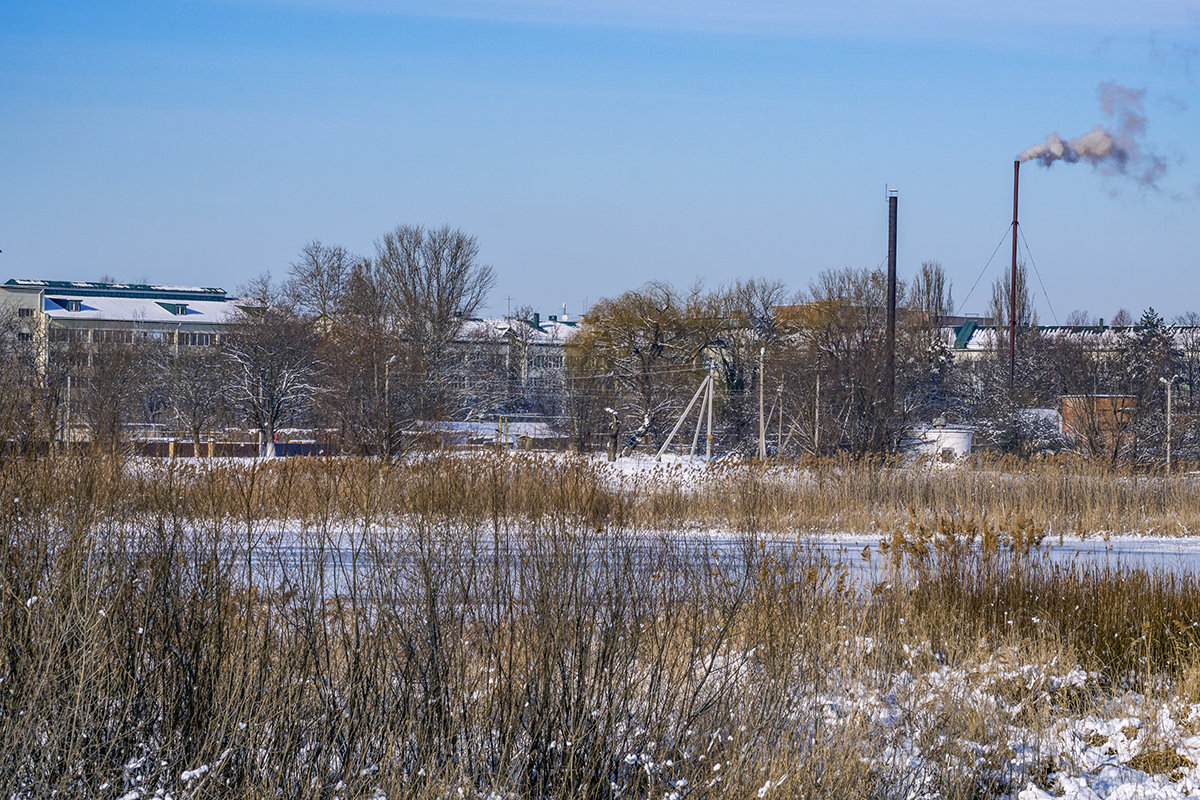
[[1121, 319], [646, 345], [845, 331], [196, 394], [319, 279], [1187, 334], [271, 368], [751, 305], [433, 281], [31, 387], [1000, 309], [931, 295], [109, 379], [749, 327]]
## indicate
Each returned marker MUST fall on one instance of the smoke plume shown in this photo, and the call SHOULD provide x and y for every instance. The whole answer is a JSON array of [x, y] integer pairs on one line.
[[1114, 150]]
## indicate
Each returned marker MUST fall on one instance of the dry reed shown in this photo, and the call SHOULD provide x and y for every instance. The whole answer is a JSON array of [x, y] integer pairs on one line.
[[528, 627]]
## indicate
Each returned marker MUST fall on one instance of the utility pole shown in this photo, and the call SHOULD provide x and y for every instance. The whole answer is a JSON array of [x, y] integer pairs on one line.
[[613, 433], [700, 418], [762, 420], [704, 384], [712, 380], [387, 405], [779, 433], [817, 419]]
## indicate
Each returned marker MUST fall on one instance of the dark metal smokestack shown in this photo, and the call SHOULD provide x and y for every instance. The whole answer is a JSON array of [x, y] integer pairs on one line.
[[893, 201], [1012, 289]]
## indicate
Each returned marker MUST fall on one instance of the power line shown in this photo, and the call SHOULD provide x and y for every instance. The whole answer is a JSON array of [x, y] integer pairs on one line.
[[1007, 230], [1029, 254]]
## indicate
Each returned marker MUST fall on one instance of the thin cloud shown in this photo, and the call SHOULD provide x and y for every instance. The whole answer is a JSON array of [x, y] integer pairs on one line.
[[850, 18], [1175, 55]]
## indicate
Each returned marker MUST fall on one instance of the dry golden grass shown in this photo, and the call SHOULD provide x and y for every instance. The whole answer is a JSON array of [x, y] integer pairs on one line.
[[1052, 496], [527, 627]]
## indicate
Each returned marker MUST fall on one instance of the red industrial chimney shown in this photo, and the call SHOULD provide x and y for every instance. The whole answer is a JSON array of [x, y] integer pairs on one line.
[[1012, 288]]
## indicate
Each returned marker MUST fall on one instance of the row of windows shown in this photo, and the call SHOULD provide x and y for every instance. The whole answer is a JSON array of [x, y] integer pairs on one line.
[[113, 336], [552, 362], [481, 356], [69, 335]]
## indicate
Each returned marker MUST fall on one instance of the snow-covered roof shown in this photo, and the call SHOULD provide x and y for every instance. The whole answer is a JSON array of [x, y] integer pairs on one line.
[[497, 328], [475, 330], [492, 427], [558, 332], [491, 430], [138, 309], [983, 337]]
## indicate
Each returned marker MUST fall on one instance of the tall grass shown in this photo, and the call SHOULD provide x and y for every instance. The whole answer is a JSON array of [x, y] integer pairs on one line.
[[476, 627], [1055, 495]]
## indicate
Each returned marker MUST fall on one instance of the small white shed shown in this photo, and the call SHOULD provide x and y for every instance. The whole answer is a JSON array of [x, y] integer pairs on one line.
[[940, 442]]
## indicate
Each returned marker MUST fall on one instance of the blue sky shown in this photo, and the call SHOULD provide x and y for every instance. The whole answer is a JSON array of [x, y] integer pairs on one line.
[[592, 146]]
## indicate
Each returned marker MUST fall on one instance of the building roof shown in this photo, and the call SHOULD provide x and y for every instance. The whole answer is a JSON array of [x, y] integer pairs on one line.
[[963, 334], [136, 309], [497, 328], [973, 336], [129, 290], [557, 331]]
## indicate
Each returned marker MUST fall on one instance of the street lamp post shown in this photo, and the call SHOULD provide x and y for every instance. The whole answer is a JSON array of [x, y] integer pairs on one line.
[[387, 403], [762, 421], [67, 426], [1169, 383]]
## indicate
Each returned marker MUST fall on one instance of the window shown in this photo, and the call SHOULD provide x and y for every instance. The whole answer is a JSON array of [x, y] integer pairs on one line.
[[24, 336], [25, 312], [112, 337], [177, 309], [66, 303], [69, 335]]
